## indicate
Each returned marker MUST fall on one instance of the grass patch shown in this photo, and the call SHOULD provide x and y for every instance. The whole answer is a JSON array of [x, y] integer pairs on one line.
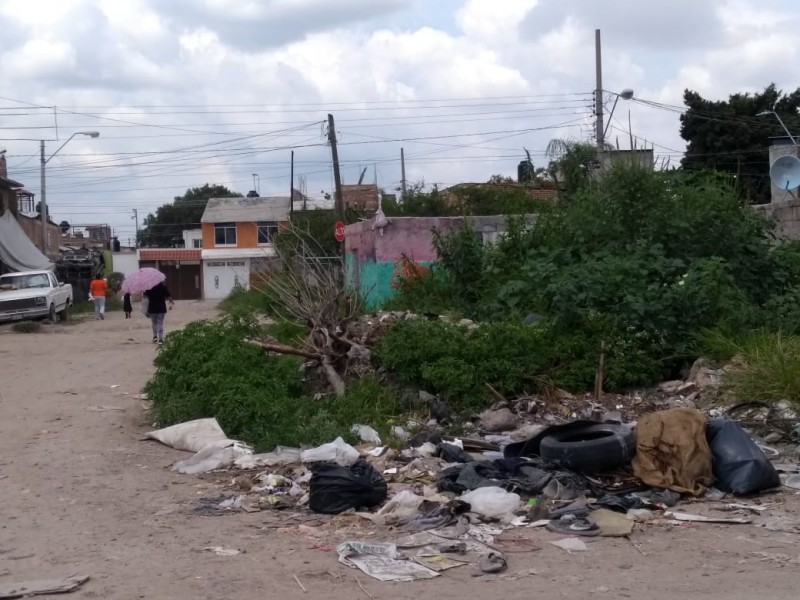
[[27, 327], [205, 370], [766, 364], [249, 302]]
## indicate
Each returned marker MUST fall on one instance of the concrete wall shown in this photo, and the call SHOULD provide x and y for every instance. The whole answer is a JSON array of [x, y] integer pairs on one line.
[[786, 215], [371, 257], [125, 262], [221, 275]]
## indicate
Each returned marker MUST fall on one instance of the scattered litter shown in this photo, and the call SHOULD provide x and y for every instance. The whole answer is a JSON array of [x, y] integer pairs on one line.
[[783, 524], [222, 551], [494, 562], [100, 408], [113, 387], [277, 458], [376, 452], [335, 489], [438, 563], [382, 561], [233, 503], [681, 516], [740, 466], [569, 524], [610, 523], [571, 545], [338, 451], [398, 510], [367, 434], [212, 457], [214, 450], [640, 515], [400, 433], [493, 502], [792, 482], [754, 508], [41, 587]]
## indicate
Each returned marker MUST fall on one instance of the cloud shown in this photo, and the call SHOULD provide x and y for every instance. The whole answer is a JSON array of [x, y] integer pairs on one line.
[[677, 25], [253, 25]]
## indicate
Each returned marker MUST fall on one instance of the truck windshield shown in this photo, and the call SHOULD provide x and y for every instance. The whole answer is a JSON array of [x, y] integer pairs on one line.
[[23, 282]]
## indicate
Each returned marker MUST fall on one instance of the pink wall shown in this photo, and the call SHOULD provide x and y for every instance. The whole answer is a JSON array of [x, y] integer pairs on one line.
[[412, 236]]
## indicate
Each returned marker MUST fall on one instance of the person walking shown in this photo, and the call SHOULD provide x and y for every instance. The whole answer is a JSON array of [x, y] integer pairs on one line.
[[157, 299], [127, 307], [97, 290]]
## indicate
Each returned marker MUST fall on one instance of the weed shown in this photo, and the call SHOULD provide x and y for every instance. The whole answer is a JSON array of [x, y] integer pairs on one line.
[[206, 370], [27, 327]]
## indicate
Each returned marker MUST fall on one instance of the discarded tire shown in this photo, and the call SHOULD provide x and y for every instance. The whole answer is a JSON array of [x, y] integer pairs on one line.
[[590, 449]]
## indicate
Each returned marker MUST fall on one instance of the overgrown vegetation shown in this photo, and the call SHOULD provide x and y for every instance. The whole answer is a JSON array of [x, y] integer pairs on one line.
[[261, 399], [640, 261]]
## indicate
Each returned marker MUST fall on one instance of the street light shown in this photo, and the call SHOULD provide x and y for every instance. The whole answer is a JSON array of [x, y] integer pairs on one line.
[[764, 113], [626, 94], [44, 161]]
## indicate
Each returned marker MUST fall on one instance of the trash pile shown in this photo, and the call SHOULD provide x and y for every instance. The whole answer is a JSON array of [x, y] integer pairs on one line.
[[445, 502]]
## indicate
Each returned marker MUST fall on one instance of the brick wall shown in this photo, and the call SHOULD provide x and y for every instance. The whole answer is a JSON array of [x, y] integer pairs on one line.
[[33, 228]]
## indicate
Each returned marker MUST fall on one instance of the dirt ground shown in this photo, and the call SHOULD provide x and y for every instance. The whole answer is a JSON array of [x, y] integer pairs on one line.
[[80, 493]]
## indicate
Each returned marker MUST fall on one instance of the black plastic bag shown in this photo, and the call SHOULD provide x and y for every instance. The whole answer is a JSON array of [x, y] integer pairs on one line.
[[740, 467], [335, 489], [452, 454]]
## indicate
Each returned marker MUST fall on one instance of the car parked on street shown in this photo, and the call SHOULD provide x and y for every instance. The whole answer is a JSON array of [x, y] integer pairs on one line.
[[34, 295]]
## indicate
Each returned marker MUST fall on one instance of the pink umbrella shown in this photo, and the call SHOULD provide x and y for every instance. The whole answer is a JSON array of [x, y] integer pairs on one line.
[[142, 280]]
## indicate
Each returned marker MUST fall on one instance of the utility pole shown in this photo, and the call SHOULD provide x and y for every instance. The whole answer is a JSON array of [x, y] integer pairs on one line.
[[291, 188], [136, 217], [43, 199], [337, 177], [598, 93], [403, 173]]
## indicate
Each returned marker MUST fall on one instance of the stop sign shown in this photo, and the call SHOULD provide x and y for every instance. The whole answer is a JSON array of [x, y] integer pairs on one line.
[[338, 231]]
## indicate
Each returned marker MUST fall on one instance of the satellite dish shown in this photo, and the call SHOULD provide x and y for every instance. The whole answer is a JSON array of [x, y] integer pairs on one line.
[[785, 172]]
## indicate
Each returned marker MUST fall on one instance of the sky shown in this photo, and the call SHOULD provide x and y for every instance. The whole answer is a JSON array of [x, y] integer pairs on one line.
[[188, 92]]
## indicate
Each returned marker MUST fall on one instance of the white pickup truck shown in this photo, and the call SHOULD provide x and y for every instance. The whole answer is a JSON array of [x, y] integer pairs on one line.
[[34, 295]]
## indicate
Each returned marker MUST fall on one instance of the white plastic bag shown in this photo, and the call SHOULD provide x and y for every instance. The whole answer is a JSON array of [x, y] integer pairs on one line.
[[493, 502], [144, 305], [277, 458], [191, 436], [212, 457], [367, 434], [338, 451]]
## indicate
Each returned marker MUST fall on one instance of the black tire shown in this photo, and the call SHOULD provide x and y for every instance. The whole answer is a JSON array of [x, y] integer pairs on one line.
[[66, 314], [51, 316], [590, 449]]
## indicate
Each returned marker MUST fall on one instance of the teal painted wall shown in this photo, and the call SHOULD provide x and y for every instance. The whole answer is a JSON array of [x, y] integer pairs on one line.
[[374, 280]]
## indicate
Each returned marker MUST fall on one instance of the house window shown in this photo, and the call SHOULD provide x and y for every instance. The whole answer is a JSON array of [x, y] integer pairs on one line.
[[225, 234], [197, 243], [267, 232]]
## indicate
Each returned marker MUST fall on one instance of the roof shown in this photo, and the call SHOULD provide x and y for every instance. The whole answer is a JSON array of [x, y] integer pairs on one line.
[[169, 254], [223, 253], [9, 183], [245, 210]]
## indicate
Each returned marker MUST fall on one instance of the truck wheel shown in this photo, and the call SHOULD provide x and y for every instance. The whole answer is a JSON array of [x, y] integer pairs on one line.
[[51, 316], [65, 315]]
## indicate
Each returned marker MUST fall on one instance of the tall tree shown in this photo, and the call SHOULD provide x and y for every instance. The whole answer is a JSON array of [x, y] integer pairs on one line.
[[727, 135], [167, 224]]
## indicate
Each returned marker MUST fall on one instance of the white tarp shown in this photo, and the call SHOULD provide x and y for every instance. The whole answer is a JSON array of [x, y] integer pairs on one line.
[[17, 251]]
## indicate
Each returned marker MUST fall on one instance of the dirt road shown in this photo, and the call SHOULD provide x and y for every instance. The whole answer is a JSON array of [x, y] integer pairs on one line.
[[80, 493]]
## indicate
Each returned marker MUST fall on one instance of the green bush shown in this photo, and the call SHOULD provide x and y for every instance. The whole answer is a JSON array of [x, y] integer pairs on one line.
[[248, 302], [457, 362], [206, 370]]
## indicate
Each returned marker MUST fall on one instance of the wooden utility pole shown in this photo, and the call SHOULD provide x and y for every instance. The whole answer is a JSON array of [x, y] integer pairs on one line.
[[337, 176], [403, 173]]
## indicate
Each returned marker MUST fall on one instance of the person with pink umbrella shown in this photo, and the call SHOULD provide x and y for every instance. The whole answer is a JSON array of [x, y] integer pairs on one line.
[[150, 282], [157, 299]]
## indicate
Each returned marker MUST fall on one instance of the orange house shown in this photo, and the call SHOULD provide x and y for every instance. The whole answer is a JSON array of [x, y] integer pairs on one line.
[[238, 240]]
